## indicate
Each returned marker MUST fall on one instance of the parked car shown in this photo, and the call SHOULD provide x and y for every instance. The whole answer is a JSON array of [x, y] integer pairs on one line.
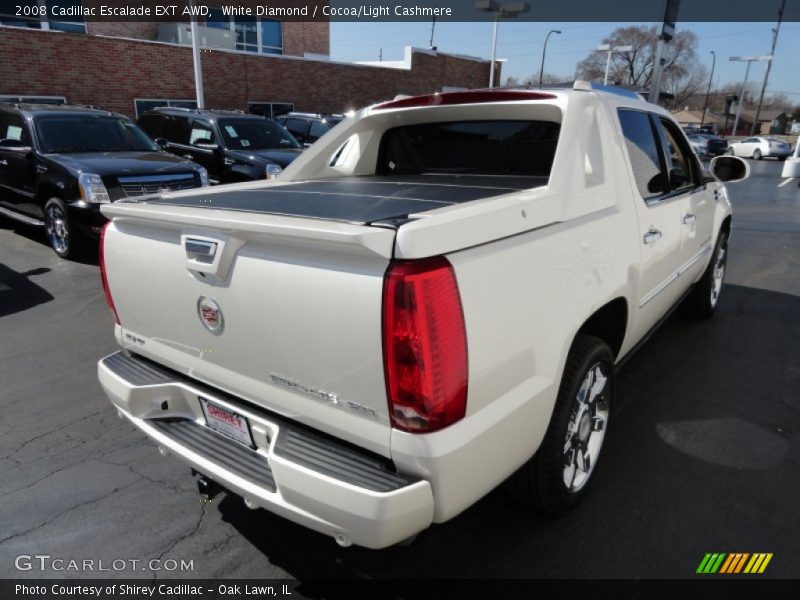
[[307, 128], [705, 144], [433, 299], [791, 169], [707, 129], [232, 146], [760, 147], [59, 163]]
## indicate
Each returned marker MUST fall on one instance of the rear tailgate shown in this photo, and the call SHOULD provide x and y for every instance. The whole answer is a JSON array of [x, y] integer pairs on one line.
[[292, 308]]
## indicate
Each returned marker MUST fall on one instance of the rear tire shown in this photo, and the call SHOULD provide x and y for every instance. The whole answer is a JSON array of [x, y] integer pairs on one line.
[[703, 299], [756, 154], [65, 239], [558, 476]]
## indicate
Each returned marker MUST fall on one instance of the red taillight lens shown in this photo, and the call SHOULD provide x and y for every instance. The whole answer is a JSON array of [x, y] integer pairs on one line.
[[103, 278], [424, 345]]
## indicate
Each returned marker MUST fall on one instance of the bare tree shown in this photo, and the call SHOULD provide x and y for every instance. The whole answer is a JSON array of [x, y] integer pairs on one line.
[[683, 74]]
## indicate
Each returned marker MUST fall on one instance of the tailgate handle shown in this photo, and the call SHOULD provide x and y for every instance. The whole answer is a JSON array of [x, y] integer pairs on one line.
[[200, 250]]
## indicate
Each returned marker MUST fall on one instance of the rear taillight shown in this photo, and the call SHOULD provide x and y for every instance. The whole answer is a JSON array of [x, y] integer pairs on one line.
[[103, 278], [424, 345]]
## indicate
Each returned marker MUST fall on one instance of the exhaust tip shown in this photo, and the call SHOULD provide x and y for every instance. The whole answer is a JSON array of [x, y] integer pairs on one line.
[[249, 503], [342, 539]]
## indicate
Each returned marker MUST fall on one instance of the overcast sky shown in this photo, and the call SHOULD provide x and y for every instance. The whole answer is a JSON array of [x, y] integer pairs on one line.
[[521, 43]]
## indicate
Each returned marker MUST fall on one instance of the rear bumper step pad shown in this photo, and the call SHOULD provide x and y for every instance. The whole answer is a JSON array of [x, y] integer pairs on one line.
[[296, 443]]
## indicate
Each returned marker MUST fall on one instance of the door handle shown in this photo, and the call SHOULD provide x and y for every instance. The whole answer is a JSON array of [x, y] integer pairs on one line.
[[689, 218], [652, 236]]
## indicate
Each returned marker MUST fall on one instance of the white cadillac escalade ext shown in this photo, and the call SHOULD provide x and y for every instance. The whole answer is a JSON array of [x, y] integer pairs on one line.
[[429, 301]]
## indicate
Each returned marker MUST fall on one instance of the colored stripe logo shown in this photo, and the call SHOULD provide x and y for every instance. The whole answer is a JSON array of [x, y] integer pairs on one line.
[[734, 563]]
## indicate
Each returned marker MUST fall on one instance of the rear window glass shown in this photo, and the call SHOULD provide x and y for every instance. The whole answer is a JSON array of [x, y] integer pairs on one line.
[[520, 148]]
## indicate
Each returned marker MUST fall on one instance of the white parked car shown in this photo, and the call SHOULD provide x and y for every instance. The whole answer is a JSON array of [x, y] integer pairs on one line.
[[791, 169], [760, 147], [431, 299]]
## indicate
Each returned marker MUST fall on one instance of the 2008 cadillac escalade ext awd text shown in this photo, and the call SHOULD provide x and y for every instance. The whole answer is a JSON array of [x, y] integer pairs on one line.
[[429, 301]]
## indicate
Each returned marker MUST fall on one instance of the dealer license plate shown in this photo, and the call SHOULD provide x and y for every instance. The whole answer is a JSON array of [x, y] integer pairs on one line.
[[227, 422]]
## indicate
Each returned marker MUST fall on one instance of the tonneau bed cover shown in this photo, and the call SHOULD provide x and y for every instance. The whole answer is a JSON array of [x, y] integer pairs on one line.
[[358, 200]]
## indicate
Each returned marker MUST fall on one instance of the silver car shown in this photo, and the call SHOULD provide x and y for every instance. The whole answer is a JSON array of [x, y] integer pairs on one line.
[[760, 147]]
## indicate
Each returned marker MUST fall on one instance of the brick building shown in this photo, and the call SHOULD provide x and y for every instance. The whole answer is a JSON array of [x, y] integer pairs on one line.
[[262, 65]]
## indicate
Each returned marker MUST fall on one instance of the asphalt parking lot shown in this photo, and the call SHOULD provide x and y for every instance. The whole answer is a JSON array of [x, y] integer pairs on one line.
[[703, 453]]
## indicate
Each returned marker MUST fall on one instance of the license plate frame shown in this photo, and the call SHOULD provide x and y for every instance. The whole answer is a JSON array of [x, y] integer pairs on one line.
[[227, 422]]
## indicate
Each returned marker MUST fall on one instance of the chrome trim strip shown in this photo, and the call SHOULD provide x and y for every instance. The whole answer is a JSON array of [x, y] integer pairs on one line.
[[700, 254], [680, 271], [146, 178], [660, 288], [18, 191], [19, 217]]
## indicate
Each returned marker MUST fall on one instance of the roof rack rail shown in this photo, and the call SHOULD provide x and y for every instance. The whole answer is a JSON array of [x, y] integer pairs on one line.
[[184, 108], [590, 86]]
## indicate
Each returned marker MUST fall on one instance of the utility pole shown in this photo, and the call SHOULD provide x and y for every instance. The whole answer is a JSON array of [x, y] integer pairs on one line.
[[775, 32], [380, 55], [433, 28], [708, 91], [666, 31]]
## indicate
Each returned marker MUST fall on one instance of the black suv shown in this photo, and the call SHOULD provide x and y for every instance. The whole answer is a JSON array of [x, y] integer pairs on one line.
[[58, 164], [232, 146], [307, 128]]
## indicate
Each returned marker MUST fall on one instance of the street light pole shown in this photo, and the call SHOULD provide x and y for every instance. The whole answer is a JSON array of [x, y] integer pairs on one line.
[[749, 60], [494, 48], [508, 11], [544, 51], [708, 91], [610, 50]]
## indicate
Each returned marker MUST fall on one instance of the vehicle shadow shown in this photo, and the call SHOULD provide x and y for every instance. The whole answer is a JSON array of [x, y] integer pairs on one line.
[[18, 293], [655, 487], [38, 235]]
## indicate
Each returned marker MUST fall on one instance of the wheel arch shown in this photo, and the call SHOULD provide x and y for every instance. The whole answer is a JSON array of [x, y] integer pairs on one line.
[[46, 190], [608, 323]]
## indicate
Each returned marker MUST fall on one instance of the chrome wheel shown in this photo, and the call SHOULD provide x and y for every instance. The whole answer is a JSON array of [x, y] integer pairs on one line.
[[718, 274], [57, 229], [586, 427]]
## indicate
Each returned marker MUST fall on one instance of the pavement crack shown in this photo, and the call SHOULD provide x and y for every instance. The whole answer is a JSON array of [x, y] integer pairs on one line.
[[156, 482], [193, 531], [53, 519], [57, 429]]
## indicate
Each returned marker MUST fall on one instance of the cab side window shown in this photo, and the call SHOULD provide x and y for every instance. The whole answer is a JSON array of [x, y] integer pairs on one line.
[[153, 125], [318, 129], [14, 130], [201, 133], [177, 131], [643, 152], [679, 157], [297, 128]]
